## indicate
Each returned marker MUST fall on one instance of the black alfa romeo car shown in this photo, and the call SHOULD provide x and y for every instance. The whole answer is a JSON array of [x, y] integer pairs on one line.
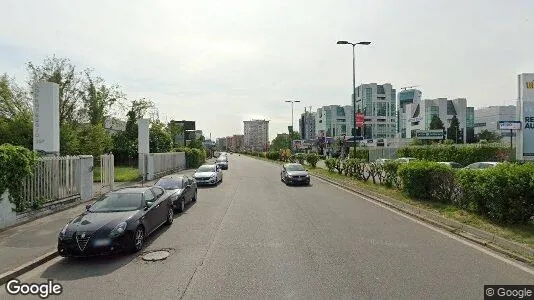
[[118, 221]]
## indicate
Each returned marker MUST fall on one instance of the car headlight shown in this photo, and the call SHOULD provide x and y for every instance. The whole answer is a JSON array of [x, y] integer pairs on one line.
[[214, 175], [307, 175], [64, 230], [118, 230]]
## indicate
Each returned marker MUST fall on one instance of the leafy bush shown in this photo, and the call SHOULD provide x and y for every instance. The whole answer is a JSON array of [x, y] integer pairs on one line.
[[375, 171], [194, 158], [427, 180], [273, 155], [360, 153], [300, 157], [391, 177], [504, 193], [330, 164], [312, 159], [17, 163], [464, 155]]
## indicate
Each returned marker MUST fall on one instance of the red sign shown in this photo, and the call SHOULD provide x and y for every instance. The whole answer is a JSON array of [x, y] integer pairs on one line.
[[360, 120]]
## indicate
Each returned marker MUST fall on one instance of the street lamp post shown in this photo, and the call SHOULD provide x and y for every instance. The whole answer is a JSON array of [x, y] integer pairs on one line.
[[292, 118], [353, 84]]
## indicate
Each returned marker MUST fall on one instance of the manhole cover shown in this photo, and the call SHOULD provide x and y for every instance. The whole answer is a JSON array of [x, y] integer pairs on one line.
[[156, 255]]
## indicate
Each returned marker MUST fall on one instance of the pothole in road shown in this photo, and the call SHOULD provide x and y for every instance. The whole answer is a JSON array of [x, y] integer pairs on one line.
[[156, 255]]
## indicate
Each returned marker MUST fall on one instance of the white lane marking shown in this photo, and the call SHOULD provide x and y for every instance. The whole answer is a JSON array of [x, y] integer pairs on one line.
[[450, 235]]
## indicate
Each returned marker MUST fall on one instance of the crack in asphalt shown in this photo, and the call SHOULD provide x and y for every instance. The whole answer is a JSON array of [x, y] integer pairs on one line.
[[205, 256]]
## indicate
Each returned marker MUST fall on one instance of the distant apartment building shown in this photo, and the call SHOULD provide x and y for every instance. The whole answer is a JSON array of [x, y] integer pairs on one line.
[[256, 135], [333, 121], [378, 103], [405, 97], [221, 143], [418, 116], [307, 125], [488, 118], [237, 142]]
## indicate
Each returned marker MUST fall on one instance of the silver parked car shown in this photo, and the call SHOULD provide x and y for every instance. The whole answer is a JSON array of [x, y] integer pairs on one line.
[[451, 164], [406, 159], [208, 175], [482, 165]]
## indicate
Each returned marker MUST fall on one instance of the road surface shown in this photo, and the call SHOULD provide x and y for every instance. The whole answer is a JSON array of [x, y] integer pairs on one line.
[[253, 237]]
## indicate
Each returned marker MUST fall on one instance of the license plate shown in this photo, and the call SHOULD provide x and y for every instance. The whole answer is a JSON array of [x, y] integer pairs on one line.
[[102, 242]]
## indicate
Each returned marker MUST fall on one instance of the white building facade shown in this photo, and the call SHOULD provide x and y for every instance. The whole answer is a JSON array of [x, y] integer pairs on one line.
[[488, 118], [404, 98], [333, 121], [378, 103], [418, 116], [256, 135]]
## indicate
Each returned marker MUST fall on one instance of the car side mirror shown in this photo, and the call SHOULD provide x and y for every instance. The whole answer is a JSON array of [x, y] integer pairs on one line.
[[87, 206]]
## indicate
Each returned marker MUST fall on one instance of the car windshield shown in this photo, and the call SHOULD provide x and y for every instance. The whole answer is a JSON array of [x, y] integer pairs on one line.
[[295, 168], [115, 202], [206, 169], [222, 159], [170, 183]]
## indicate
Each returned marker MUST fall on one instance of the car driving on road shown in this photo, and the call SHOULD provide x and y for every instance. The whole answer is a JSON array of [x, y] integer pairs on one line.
[[118, 221], [222, 162], [181, 189], [294, 173], [208, 175]]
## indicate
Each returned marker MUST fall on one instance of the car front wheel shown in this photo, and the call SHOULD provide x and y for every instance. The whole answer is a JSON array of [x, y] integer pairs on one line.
[[182, 206], [138, 239]]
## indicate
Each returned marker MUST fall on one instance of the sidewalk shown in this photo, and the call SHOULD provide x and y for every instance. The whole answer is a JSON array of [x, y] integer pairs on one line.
[[24, 243]]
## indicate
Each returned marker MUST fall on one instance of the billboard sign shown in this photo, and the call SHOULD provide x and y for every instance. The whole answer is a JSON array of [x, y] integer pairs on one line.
[[525, 113], [436, 134], [360, 120], [528, 130], [509, 125]]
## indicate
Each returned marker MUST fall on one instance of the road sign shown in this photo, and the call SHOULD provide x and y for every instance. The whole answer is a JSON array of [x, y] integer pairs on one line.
[[436, 134], [510, 125]]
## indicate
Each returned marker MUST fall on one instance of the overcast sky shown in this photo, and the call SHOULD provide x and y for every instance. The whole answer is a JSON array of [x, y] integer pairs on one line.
[[221, 62]]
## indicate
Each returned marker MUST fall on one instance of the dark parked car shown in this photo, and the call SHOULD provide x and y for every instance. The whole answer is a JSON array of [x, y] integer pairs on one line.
[[118, 221], [294, 173], [222, 162], [181, 189]]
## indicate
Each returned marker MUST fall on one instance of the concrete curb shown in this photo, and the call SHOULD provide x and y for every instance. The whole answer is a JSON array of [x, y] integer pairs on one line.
[[478, 236], [5, 277], [509, 248]]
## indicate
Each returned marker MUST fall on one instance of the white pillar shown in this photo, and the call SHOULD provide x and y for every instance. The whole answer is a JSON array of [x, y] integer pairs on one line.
[[7, 215], [46, 118], [86, 177], [143, 147]]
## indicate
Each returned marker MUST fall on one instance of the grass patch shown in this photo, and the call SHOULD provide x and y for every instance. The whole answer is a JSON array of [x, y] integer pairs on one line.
[[518, 233], [122, 174]]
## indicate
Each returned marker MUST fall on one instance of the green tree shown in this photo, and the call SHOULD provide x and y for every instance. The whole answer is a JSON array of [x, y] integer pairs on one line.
[[98, 98], [436, 123], [489, 136], [14, 100], [62, 72], [94, 140], [283, 141], [160, 138], [175, 129], [196, 143], [69, 139], [453, 132]]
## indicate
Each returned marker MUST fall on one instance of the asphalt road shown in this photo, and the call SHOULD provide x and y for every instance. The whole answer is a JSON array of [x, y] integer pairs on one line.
[[252, 237]]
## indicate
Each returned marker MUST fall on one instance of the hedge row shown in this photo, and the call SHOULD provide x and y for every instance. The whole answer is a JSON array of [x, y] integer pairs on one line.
[[194, 157], [464, 155], [503, 194], [16, 163]]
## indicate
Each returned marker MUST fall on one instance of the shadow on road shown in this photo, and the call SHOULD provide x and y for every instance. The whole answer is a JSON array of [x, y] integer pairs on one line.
[[77, 268]]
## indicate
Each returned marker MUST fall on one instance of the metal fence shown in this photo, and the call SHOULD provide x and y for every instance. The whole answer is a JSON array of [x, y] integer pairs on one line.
[[167, 163], [54, 178], [382, 152]]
